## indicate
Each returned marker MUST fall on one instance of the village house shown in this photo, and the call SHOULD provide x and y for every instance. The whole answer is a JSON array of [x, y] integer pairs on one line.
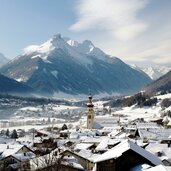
[[124, 156], [15, 156]]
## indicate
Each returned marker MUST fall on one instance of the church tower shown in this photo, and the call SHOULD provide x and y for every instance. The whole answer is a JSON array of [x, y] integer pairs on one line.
[[90, 114]]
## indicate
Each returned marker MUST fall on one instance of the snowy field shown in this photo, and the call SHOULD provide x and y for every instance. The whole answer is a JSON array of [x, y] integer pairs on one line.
[[148, 113], [134, 112]]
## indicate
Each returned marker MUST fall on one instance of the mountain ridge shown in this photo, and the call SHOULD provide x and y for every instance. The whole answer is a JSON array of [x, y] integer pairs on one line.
[[154, 72], [57, 66]]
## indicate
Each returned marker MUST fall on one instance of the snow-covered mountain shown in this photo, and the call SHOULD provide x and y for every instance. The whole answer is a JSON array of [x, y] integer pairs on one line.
[[156, 71], [161, 84], [65, 65], [3, 60]]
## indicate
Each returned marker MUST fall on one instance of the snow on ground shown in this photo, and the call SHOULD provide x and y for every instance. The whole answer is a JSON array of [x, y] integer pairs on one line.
[[25, 119], [55, 73], [64, 107], [134, 112], [99, 104], [46, 108], [38, 127], [165, 96], [31, 108]]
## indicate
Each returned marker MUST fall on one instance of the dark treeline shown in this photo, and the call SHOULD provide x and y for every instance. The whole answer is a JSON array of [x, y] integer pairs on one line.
[[140, 99], [32, 99]]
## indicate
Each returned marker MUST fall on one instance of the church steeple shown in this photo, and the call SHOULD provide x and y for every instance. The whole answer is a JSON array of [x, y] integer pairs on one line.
[[90, 113]]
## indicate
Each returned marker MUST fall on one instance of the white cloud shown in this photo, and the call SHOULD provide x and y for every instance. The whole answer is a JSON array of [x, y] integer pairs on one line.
[[117, 17], [30, 48], [160, 53]]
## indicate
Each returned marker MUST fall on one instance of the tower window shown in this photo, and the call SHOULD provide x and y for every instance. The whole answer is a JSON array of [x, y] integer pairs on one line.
[[89, 116]]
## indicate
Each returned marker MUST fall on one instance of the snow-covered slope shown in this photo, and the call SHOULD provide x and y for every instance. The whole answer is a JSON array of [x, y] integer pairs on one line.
[[160, 85], [3, 60], [57, 42], [64, 65], [146, 112], [87, 47], [156, 71]]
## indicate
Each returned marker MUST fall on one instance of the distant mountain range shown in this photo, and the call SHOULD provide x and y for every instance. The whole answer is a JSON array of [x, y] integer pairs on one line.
[[3, 60], [65, 65], [153, 72], [161, 84], [8, 85], [156, 72]]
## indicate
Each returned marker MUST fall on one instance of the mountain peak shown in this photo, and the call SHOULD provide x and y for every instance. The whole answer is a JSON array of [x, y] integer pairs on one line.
[[57, 40], [88, 43], [86, 48], [71, 42], [57, 36]]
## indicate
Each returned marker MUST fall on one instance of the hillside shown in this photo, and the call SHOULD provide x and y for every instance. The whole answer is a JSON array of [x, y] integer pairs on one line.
[[161, 84], [8, 85]]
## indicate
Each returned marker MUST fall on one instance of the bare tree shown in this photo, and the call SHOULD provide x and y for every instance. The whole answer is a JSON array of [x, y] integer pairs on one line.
[[46, 161]]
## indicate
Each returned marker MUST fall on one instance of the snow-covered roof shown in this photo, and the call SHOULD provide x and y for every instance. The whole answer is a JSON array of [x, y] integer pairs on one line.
[[148, 125], [83, 146], [124, 146], [96, 140], [72, 161], [110, 129], [82, 134], [158, 134], [103, 146], [74, 135], [162, 148], [130, 127], [107, 121], [87, 154], [9, 149], [97, 125]]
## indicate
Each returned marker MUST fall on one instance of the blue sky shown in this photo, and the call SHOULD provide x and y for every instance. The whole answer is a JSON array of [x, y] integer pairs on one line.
[[137, 31]]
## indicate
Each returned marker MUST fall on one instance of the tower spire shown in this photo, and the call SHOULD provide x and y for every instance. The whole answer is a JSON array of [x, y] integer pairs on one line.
[[90, 113]]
